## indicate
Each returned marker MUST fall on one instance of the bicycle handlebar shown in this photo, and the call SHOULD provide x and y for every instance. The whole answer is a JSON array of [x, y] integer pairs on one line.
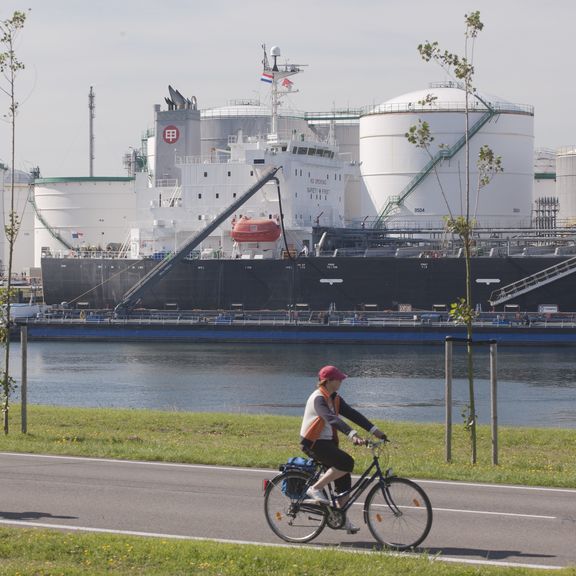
[[376, 443]]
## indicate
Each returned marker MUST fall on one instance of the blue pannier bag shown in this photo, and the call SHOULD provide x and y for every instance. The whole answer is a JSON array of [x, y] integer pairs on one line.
[[294, 487]]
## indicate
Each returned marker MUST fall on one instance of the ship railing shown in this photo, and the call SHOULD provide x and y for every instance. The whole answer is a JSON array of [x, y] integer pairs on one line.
[[339, 115], [344, 319], [95, 254], [218, 157], [166, 183], [281, 136]]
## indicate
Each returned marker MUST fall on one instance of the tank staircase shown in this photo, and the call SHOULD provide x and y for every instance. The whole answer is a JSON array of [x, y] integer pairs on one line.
[[132, 296], [51, 230], [443, 154], [546, 276]]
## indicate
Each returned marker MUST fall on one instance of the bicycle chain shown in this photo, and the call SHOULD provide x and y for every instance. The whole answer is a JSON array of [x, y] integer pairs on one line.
[[335, 518]]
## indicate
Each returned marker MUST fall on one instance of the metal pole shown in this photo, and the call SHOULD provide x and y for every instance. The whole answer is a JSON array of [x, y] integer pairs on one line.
[[24, 388], [448, 399], [91, 108], [494, 402]]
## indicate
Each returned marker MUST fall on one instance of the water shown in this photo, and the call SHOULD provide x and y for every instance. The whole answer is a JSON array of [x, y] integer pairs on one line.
[[536, 386]]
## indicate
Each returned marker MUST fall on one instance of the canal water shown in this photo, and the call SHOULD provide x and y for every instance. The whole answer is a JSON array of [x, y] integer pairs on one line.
[[536, 386]]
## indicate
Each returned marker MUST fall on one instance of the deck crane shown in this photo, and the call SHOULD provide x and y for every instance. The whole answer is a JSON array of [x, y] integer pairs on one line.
[[159, 272]]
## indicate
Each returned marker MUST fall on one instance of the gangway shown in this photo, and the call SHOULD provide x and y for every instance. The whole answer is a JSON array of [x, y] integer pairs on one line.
[[132, 296], [534, 281], [395, 201]]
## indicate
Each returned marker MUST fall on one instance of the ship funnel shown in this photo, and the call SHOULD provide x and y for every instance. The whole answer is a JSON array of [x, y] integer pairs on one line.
[[177, 98]]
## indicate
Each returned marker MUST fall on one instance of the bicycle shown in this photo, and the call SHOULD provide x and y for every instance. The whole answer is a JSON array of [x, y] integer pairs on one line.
[[397, 510]]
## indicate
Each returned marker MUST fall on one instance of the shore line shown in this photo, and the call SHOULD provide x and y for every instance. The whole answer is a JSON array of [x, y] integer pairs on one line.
[[229, 329]]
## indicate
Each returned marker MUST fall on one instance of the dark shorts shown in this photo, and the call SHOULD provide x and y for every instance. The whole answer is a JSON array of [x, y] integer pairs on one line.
[[328, 453]]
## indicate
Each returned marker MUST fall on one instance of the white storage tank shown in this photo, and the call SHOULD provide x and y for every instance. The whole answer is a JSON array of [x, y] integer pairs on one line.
[[249, 117], [566, 185], [544, 173], [88, 213], [23, 255], [390, 164]]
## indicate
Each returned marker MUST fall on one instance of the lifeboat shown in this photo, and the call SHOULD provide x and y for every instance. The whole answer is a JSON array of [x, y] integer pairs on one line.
[[255, 230]]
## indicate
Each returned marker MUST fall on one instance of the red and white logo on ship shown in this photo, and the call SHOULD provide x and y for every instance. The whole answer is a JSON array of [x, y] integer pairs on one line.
[[171, 134]]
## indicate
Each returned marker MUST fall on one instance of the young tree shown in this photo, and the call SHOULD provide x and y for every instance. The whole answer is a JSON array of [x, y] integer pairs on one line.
[[488, 164], [10, 66]]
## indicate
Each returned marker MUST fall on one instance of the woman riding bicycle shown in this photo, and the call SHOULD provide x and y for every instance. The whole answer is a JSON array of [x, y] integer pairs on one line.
[[319, 435]]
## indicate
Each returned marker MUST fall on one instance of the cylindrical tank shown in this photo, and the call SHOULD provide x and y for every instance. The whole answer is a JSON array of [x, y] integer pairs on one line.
[[544, 173], [23, 248], [249, 117], [566, 185], [391, 165], [87, 212]]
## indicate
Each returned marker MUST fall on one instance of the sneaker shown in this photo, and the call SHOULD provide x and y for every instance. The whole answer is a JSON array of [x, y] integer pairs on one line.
[[317, 496], [350, 528]]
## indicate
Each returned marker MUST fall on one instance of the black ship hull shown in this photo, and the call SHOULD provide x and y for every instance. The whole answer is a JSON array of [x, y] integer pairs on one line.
[[343, 283]]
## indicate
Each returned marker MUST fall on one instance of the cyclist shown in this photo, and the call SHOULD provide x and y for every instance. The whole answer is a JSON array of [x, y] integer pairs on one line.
[[319, 435]]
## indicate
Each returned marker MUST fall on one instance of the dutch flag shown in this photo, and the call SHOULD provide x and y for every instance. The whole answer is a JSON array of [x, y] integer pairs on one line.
[[267, 77]]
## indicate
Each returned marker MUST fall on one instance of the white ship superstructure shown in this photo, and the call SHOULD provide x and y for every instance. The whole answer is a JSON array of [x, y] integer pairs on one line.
[[173, 204]]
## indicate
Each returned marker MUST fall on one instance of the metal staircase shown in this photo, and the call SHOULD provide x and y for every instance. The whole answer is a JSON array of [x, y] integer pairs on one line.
[[51, 230], [532, 282], [396, 201]]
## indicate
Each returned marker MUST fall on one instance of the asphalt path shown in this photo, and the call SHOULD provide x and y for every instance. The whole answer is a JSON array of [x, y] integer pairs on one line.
[[476, 523]]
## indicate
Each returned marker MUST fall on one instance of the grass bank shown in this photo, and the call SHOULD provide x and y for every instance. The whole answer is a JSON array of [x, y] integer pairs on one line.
[[35, 552], [537, 457]]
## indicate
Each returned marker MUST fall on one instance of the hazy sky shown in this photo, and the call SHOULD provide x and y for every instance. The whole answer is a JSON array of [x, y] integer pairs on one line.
[[359, 53]]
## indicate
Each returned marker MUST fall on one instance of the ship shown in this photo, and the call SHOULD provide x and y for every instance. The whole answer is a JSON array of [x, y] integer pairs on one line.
[[272, 221]]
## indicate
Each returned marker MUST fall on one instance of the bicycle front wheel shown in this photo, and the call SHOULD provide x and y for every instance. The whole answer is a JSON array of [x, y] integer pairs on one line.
[[289, 518], [398, 513]]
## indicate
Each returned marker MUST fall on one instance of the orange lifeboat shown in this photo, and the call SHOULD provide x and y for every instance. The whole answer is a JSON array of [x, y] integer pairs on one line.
[[255, 230]]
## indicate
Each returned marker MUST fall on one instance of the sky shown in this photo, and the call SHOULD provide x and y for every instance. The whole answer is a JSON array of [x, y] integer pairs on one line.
[[358, 53]]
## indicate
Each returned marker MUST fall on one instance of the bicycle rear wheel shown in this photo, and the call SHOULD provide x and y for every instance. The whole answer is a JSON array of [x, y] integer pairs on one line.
[[290, 520], [398, 513]]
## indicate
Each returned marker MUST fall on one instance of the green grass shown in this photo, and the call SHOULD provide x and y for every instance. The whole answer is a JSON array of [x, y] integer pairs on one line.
[[544, 457], [43, 552], [537, 457]]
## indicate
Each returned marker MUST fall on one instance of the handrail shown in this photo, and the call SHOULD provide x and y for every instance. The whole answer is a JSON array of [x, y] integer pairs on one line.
[[403, 107], [44, 222], [529, 283]]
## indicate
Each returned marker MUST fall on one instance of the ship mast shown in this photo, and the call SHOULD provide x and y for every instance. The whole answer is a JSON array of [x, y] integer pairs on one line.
[[277, 75]]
